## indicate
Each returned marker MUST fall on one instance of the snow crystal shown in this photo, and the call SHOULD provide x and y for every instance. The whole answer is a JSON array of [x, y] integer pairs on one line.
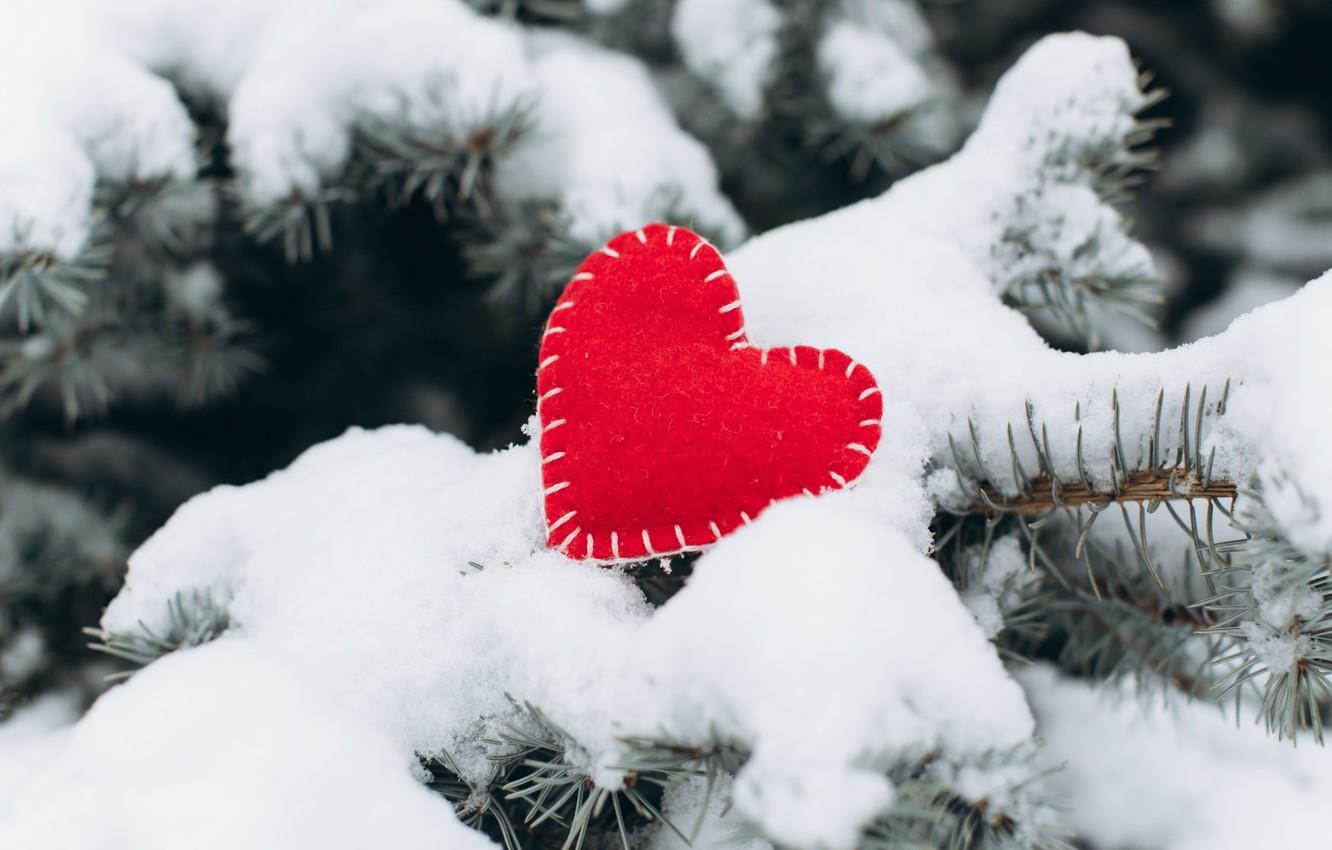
[[1283, 595], [1279, 651], [731, 43]]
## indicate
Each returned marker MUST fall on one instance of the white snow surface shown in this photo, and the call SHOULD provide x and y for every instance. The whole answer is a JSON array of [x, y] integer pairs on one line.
[[296, 78], [1176, 775], [223, 747], [31, 739], [609, 147], [820, 639]]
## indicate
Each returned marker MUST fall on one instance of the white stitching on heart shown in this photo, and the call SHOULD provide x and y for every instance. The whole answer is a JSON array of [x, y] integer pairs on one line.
[[561, 521], [565, 545], [738, 334]]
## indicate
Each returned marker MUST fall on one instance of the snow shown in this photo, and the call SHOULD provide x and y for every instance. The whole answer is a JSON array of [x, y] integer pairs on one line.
[[351, 569], [205, 749], [85, 112], [733, 44], [297, 78], [1000, 579], [877, 62], [610, 148], [33, 737], [425, 63], [870, 78], [1174, 776], [874, 635]]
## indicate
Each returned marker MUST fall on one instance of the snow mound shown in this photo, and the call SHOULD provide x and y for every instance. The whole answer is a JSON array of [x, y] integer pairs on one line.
[[1176, 775], [349, 573], [225, 747]]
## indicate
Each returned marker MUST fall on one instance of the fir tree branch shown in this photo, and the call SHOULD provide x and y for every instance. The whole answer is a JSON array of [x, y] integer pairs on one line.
[[194, 618]]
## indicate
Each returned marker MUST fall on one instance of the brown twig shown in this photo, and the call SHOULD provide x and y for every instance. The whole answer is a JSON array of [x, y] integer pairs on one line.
[[1143, 485]]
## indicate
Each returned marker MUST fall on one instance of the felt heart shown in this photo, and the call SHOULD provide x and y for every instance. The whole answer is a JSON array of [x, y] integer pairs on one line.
[[662, 427]]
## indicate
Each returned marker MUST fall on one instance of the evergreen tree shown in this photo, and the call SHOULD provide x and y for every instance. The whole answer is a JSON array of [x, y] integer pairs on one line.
[[230, 232]]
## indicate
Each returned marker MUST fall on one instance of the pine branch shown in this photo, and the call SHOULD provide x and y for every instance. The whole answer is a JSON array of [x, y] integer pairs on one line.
[[1170, 471], [193, 619], [41, 286], [540, 793], [1275, 601], [800, 106], [928, 813], [1044, 493], [1105, 271], [424, 151]]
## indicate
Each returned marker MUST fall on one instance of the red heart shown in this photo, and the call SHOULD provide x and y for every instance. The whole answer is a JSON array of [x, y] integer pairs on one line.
[[662, 428]]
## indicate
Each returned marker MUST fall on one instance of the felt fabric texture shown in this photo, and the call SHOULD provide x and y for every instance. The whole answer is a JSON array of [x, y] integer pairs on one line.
[[662, 427]]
